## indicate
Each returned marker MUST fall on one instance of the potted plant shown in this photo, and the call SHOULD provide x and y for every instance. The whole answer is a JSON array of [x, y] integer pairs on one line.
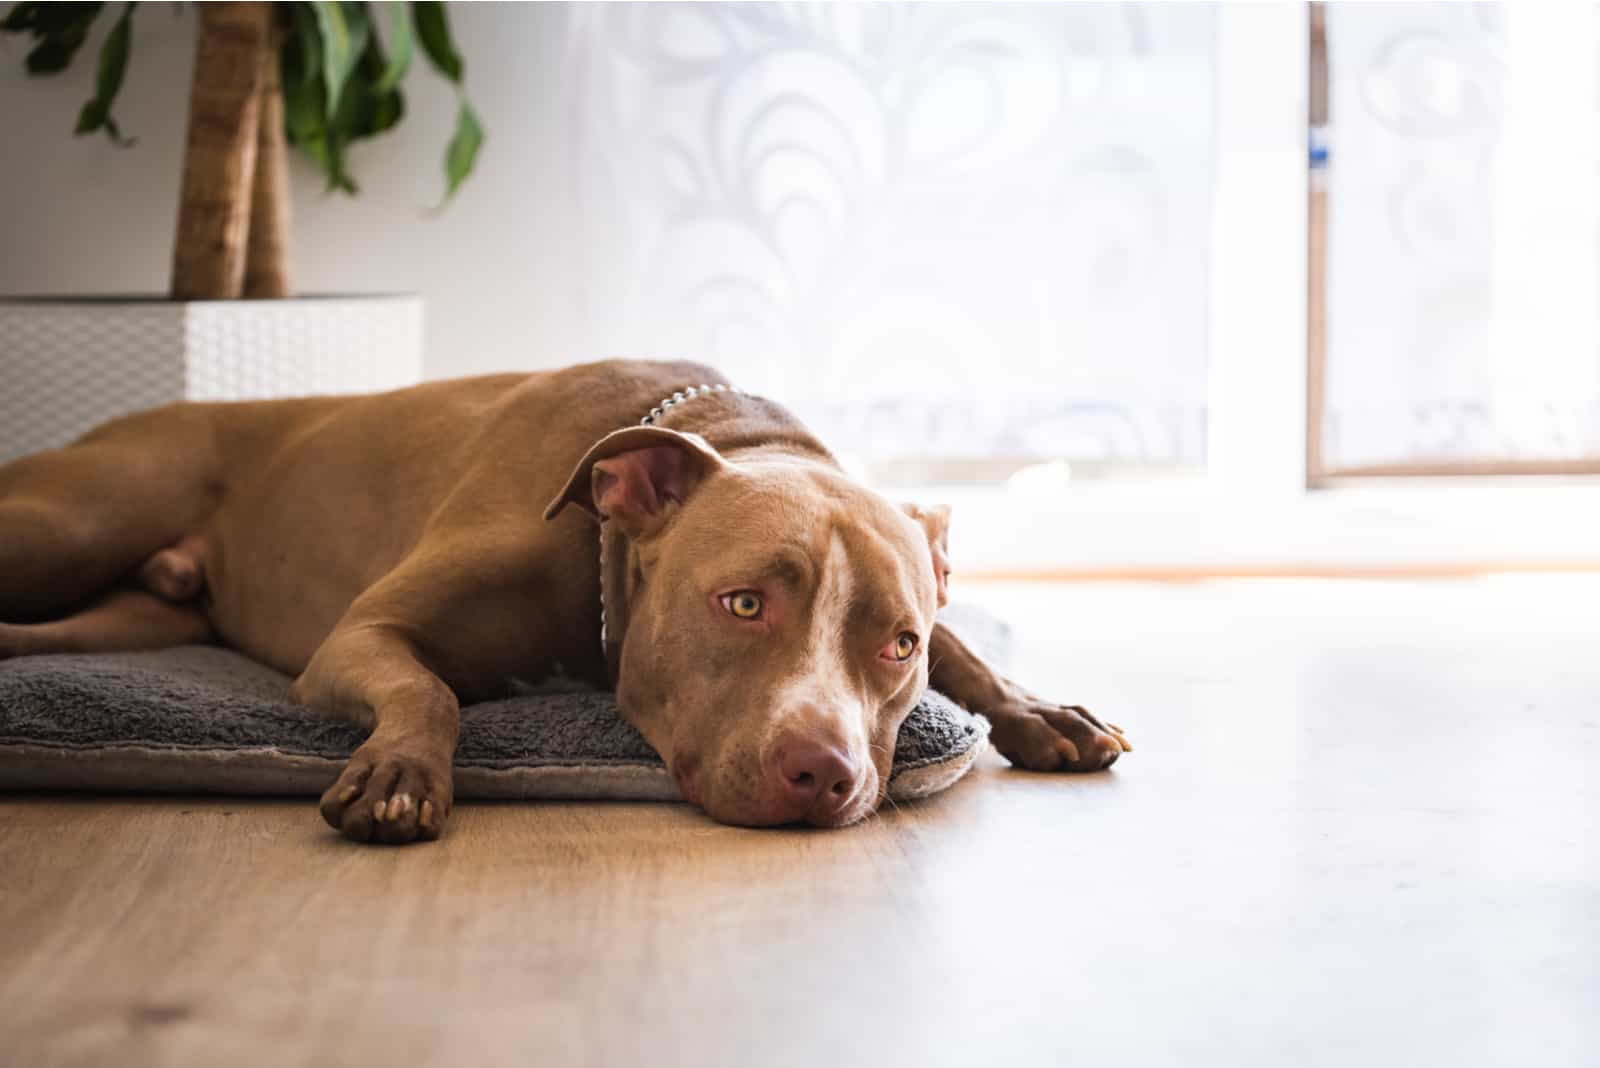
[[268, 77]]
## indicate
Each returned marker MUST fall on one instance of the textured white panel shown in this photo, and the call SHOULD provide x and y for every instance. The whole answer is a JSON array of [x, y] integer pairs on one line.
[[257, 349], [66, 366]]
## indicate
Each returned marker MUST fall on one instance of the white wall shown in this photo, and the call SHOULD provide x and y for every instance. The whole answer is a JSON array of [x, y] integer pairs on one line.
[[79, 216]]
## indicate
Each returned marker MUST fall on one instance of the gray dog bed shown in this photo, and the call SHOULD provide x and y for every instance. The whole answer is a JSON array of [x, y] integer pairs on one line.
[[203, 719]]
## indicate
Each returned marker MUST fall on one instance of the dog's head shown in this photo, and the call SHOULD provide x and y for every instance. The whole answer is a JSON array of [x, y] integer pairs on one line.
[[778, 616]]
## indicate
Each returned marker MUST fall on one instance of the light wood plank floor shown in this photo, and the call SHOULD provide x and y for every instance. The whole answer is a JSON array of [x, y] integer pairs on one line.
[[1361, 826]]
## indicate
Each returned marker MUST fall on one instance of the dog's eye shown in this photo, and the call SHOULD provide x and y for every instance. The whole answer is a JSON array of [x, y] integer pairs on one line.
[[746, 604], [902, 648]]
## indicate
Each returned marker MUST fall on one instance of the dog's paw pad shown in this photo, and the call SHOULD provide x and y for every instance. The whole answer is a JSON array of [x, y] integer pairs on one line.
[[385, 795], [1045, 737]]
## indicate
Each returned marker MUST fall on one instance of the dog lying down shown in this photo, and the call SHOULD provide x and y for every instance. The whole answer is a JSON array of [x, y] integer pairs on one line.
[[765, 621]]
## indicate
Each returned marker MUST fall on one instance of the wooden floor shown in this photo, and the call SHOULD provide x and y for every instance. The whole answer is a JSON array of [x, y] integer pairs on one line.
[[1361, 827]]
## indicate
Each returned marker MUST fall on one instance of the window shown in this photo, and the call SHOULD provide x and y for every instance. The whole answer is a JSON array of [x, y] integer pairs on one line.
[[1094, 222], [959, 239], [1463, 255]]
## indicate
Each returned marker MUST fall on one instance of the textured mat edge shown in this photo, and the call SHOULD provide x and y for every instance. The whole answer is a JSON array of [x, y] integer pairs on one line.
[[258, 771]]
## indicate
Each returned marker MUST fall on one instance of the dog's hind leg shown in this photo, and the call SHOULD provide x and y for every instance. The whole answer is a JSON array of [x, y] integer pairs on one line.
[[74, 522], [124, 621]]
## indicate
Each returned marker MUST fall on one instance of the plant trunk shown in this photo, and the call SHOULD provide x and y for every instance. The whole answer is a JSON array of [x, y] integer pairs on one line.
[[267, 269], [219, 163]]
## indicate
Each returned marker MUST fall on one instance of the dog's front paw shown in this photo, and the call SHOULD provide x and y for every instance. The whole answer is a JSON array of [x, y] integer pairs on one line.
[[389, 794], [1041, 736]]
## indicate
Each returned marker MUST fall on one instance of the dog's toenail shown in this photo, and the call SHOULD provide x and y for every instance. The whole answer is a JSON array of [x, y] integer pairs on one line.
[[377, 810]]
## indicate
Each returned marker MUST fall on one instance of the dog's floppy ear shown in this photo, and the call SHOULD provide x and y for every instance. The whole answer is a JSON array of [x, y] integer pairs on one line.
[[935, 522], [637, 475]]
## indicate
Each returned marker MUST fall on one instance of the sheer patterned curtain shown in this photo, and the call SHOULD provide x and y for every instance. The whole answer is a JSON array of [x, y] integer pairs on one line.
[[1464, 268], [955, 237]]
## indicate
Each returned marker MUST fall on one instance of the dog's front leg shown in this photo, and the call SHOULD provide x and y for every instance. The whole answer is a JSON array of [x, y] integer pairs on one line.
[[1027, 730], [397, 786]]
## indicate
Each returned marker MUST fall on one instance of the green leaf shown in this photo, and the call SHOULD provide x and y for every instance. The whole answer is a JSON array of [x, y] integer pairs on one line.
[[19, 18], [330, 157], [303, 118], [364, 113], [96, 113], [327, 45], [306, 122], [344, 37], [49, 56], [60, 30], [302, 50], [462, 152], [400, 46], [374, 107], [434, 30], [304, 99], [52, 19]]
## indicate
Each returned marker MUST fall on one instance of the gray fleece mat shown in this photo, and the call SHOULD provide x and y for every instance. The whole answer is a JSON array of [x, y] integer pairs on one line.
[[204, 719]]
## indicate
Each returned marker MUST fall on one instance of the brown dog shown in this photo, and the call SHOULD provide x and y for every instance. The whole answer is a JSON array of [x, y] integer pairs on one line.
[[768, 623]]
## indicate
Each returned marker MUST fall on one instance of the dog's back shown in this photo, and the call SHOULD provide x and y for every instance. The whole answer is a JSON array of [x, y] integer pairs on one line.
[[289, 509]]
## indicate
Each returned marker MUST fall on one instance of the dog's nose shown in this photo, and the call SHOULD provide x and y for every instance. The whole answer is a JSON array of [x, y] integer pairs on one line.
[[816, 779]]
